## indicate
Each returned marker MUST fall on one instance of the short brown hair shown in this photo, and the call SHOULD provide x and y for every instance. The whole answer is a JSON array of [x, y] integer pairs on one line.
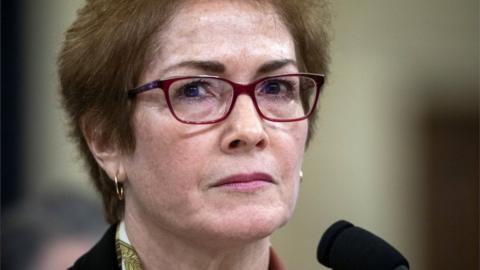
[[106, 50]]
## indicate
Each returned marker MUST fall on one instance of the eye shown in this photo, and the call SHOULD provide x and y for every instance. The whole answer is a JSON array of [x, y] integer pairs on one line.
[[272, 88], [277, 87], [192, 90]]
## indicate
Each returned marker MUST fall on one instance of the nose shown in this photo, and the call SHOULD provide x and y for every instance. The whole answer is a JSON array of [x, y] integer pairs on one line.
[[244, 130]]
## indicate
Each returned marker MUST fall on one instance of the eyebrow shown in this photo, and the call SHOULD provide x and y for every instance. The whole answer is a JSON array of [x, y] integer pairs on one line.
[[274, 65], [208, 66], [219, 68]]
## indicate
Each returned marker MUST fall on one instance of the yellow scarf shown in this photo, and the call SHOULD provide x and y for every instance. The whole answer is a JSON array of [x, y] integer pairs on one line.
[[126, 255]]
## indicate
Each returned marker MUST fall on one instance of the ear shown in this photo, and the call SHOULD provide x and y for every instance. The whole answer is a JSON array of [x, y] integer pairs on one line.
[[106, 152]]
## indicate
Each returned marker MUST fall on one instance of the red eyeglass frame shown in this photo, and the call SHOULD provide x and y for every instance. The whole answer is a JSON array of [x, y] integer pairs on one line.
[[238, 89]]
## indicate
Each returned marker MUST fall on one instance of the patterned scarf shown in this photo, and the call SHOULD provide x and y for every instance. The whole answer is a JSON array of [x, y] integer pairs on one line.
[[126, 255]]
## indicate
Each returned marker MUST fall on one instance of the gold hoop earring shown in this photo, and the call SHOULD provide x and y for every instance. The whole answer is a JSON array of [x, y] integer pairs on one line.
[[118, 189], [301, 175]]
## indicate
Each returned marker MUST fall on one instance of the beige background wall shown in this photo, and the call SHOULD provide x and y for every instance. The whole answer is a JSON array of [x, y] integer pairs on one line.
[[404, 80]]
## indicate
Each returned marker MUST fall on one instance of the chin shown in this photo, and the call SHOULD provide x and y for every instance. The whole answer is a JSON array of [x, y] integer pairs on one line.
[[252, 225]]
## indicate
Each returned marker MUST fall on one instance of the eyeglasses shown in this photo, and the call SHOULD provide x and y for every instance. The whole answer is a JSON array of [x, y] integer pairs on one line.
[[210, 99]]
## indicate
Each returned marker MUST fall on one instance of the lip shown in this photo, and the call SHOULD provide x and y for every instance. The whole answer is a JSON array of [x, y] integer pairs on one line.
[[245, 182]]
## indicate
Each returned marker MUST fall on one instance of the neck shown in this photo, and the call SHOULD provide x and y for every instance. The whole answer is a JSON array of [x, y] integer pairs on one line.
[[160, 249]]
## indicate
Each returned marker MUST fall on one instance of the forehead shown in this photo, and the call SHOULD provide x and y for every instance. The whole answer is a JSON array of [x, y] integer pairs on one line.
[[224, 31]]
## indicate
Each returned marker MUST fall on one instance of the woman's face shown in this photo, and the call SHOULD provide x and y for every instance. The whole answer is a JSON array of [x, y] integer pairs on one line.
[[236, 180]]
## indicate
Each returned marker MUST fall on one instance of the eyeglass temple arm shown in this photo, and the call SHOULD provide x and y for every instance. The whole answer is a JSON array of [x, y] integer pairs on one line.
[[149, 86]]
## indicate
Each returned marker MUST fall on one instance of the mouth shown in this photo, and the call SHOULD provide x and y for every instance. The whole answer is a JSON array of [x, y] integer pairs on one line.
[[245, 182]]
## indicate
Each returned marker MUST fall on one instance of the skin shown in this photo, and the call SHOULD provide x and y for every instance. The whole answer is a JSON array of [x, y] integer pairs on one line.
[[174, 216]]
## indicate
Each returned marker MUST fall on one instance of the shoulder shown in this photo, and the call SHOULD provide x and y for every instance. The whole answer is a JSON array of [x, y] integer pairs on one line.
[[102, 256]]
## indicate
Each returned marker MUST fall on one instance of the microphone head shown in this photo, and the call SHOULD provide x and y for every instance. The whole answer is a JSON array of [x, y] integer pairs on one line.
[[346, 247]]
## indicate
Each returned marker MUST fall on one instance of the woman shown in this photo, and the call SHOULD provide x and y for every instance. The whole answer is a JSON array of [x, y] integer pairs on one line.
[[193, 117]]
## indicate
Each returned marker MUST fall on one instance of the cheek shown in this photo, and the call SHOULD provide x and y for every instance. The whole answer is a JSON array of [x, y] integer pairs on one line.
[[289, 143], [162, 161], [289, 148]]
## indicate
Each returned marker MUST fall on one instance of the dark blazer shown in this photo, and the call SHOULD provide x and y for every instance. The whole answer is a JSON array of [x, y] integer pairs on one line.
[[102, 256]]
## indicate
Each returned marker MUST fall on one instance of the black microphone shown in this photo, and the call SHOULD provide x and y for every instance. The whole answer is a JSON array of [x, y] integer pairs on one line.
[[346, 247]]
